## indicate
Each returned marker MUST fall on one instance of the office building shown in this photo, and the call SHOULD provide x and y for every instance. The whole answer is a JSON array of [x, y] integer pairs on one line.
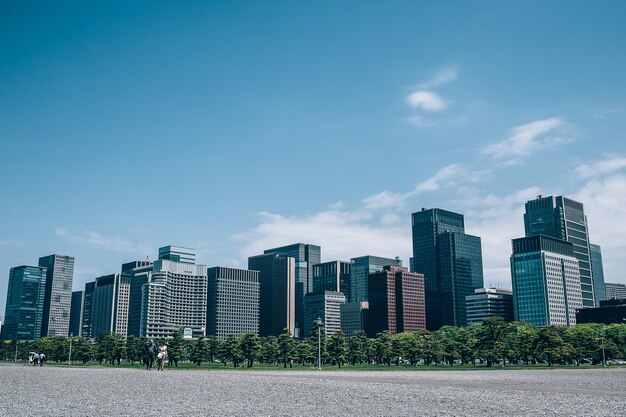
[[58, 298], [87, 319], [597, 272], [609, 312], [23, 314], [174, 298], [110, 305], [232, 302], [397, 301], [360, 268], [277, 294], [76, 312], [354, 317], [489, 302], [546, 281], [563, 218], [332, 276], [615, 291], [451, 262], [178, 254], [139, 273], [305, 256], [325, 305]]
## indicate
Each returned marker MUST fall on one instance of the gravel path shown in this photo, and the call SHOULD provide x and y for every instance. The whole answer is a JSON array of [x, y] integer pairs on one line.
[[59, 391]]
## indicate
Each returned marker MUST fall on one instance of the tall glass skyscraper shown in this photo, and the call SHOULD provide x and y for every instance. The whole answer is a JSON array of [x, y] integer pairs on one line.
[[451, 262], [546, 281], [563, 218], [332, 276], [360, 269], [139, 273], [58, 298], [110, 305], [25, 302], [597, 272]]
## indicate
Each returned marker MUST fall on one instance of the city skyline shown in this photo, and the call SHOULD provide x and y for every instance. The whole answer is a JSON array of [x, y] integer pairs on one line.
[[99, 120]]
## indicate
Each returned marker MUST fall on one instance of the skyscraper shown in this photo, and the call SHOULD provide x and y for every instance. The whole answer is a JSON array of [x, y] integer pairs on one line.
[[233, 302], [597, 272], [305, 255], [326, 306], [139, 273], [58, 298], [397, 301], [332, 276], [277, 293], [354, 317], [546, 281], [451, 262], [489, 302], [615, 291], [110, 305], [25, 303], [87, 319], [360, 268], [563, 218], [76, 312], [178, 254]]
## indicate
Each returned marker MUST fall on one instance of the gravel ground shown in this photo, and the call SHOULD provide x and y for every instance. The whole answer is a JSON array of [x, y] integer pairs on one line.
[[60, 391]]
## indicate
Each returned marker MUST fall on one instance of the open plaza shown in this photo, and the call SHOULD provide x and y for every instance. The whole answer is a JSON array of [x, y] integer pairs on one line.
[[100, 391]]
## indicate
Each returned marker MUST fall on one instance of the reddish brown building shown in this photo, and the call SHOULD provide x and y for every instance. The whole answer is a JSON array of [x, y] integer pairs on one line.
[[397, 301]]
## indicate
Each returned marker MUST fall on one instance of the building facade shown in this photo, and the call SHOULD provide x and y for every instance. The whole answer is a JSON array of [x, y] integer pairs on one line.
[[360, 269], [546, 281], [563, 218], [597, 272], [58, 298], [615, 291], [489, 302], [178, 254], [24, 308], [87, 320], [354, 317], [325, 305], [139, 273], [76, 312], [233, 302], [110, 305], [277, 292], [397, 301], [609, 312], [451, 262], [332, 276], [305, 256]]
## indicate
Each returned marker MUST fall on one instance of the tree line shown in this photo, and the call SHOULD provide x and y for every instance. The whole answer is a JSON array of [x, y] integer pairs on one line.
[[494, 342]]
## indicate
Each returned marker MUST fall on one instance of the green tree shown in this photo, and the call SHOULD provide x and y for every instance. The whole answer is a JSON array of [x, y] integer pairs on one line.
[[270, 349], [82, 349], [199, 351], [286, 348], [337, 348], [551, 346], [306, 352], [135, 348], [357, 348], [383, 348], [175, 349], [432, 347], [584, 339], [230, 351], [491, 340], [250, 345], [449, 338], [214, 345]]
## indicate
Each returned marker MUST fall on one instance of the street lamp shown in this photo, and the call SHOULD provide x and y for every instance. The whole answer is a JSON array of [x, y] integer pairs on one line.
[[603, 355], [69, 359], [319, 343], [17, 342]]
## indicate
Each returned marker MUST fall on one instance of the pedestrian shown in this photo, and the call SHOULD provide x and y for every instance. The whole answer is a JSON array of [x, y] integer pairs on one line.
[[30, 359], [162, 356], [151, 352], [42, 358], [36, 359]]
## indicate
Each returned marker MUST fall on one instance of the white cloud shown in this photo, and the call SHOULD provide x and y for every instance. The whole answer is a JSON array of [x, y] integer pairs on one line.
[[11, 242], [419, 121], [427, 100], [605, 166], [442, 77], [113, 244], [384, 199], [527, 139]]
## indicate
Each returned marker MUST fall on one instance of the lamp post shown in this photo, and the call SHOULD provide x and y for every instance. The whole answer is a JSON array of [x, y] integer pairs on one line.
[[69, 359], [17, 342], [603, 355], [319, 343]]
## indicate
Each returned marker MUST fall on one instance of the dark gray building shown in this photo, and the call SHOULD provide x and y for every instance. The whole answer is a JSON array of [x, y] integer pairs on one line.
[[563, 218], [139, 273], [87, 320], [76, 313], [451, 262], [609, 312], [232, 302], [110, 305], [58, 298], [305, 256], [360, 269], [615, 291], [354, 317], [489, 302], [332, 276], [25, 303], [277, 292], [597, 272], [325, 305]]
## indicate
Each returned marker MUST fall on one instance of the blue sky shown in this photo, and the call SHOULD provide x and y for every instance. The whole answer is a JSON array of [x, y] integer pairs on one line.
[[235, 126]]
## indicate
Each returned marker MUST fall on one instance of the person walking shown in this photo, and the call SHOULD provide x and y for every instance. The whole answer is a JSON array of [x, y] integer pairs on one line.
[[162, 356], [36, 359], [42, 358], [151, 352]]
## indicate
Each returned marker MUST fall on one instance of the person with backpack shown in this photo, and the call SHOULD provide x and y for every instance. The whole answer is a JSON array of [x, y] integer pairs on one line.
[[151, 353]]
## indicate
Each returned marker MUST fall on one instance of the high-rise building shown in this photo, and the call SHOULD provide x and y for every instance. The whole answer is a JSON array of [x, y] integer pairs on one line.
[[563, 218], [173, 299], [332, 276], [87, 319], [25, 303], [233, 302], [489, 302], [546, 281], [305, 255], [58, 298], [609, 312], [277, 294], [76, 312], [178, 254], [615, 291], [354, 317], [110, 305], [324, 305], [597, 272], [397, 301], [360, 268], [139, 273], [451, 262]]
